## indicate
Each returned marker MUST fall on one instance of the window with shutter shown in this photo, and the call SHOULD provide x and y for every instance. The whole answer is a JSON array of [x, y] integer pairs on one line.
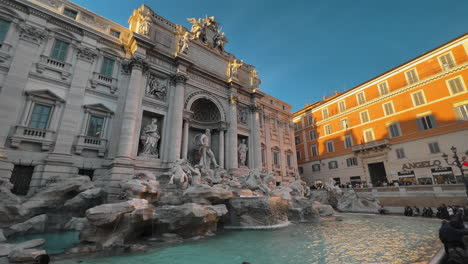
[[325, 113], [411, 76], [342, 106], [418, 98], [313, 134], [332, 165], [434, 147], [364, 116], [446, 61], [344, 123], [298, 154], [456, 85], [426, 122], [400, 153], [59, 50], [388, 108], [297, 140], [461, 112], [314, 150], [309, 119], [351, 162], [296, 126], [361, 98], [330, 147], [348, 141], [368, 135], [383, 88], [316, 168], [4, 26], [394, 130], [327, 129]]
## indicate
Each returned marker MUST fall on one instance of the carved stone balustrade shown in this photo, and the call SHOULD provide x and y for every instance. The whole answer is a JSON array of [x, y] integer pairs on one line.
[[91, 143], [106, 81], [46, 62], [42, 136]]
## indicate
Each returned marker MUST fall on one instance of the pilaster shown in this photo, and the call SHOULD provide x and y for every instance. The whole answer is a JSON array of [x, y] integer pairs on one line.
[[176, 111], [232, 162]]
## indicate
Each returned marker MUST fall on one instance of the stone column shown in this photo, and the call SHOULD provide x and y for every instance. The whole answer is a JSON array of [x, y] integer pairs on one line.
[[185, 140], [255, 150], [68, 128], [11, 98], [232, 162], [221, 147], [128, 141], [176, 114]]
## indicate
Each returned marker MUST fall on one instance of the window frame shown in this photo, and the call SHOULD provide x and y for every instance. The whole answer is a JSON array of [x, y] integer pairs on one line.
[[398, 129], [7, 29], [297, 140], [385, 109], [462, 84], [330, 167], [422, 95], [408, 81], [314, 133], [102, 71], [88, 123], [312, 148], [67, 51], [400, 153], [363, 96], [67, 11], [379, 86], [327, 129], [346, 137], [310, 121], [325, 113], [327, 143], [49, 115], [434, 147], [316, 167], [347, 124], [364, 133], [352, 161], [432, 122], [367, 114], [459, 114], [342, 106], [452, 58]]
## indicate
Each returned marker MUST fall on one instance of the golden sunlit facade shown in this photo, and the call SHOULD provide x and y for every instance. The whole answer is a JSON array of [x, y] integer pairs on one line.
[[393, 127]]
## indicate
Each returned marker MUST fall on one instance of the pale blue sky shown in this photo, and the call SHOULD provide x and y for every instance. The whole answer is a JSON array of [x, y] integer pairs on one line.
[[305, 49]]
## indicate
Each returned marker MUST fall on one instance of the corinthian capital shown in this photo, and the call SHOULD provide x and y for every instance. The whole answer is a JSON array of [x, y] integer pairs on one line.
[[139, 63], [31, 34], [86, 54], [255, 108], [179, 78], [233, 99]]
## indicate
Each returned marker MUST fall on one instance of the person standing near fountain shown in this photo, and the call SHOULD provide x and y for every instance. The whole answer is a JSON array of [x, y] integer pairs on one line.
[[206, 154], [242, 151]]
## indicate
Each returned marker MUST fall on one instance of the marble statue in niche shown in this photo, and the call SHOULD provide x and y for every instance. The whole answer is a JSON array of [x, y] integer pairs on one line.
[[207, 156], [150, 138], [242, 152]]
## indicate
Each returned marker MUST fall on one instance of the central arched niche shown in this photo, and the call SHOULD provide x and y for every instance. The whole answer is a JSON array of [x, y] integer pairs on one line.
[[205, 111], [205, 115]]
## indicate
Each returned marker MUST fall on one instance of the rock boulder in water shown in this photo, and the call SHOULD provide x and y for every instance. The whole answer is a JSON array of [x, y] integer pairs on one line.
[[204, 192], [256, 211], [33, 225], [302, 210]]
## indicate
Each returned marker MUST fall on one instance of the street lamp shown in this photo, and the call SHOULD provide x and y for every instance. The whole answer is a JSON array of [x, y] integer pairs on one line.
[[456, 161]]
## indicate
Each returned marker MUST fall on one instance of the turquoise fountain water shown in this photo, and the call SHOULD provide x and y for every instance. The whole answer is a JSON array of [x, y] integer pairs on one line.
[[356, 239]]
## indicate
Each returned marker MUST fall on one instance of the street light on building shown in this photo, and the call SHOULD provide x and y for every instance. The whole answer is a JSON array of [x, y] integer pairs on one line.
[[456, 161]]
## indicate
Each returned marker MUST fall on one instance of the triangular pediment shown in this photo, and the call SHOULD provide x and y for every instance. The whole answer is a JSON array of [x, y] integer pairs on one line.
[[99, 107], [46, 94]]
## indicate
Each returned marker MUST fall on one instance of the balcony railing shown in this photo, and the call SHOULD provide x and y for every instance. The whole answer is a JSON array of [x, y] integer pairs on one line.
[[91, 143], [27, 134], [104, 80], [63, 68], [371, 145]]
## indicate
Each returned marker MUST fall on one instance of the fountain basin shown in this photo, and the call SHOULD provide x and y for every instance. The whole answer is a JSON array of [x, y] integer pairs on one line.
[[55, 243]]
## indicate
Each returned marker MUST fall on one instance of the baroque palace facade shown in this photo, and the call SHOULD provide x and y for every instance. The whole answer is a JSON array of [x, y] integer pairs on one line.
[[80, 94], [394, 127]]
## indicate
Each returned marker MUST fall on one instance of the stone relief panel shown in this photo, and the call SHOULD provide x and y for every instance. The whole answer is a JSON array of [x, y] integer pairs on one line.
[[242, 114], [156, 87]]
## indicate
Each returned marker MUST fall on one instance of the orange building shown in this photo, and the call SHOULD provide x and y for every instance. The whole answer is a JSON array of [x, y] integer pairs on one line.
[[394, 127]]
